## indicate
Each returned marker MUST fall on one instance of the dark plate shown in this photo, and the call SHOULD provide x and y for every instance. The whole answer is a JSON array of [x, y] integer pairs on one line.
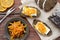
[[35, 22], [11, 21], [38, 13]]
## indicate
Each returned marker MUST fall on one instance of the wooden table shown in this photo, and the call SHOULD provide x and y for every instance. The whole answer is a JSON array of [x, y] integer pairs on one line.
[[32, 35]]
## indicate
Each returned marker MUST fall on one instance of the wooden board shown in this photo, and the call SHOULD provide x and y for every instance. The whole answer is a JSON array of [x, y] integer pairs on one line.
[[32, 34]]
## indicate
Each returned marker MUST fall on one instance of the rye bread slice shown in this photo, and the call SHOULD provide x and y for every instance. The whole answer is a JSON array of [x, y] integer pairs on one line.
[[49, 4], [40, 3]]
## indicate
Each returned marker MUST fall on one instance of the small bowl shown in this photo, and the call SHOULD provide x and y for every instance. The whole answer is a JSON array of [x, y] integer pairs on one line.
[[11, 21]]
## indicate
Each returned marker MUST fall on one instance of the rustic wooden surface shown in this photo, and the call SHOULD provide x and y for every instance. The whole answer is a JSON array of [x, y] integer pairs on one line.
[[32, 35]]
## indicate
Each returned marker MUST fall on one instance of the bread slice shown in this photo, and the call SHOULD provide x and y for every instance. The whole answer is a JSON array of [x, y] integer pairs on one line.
[[36, 21], [38, 13], [49, 4], [46, 5], [40, 3]]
